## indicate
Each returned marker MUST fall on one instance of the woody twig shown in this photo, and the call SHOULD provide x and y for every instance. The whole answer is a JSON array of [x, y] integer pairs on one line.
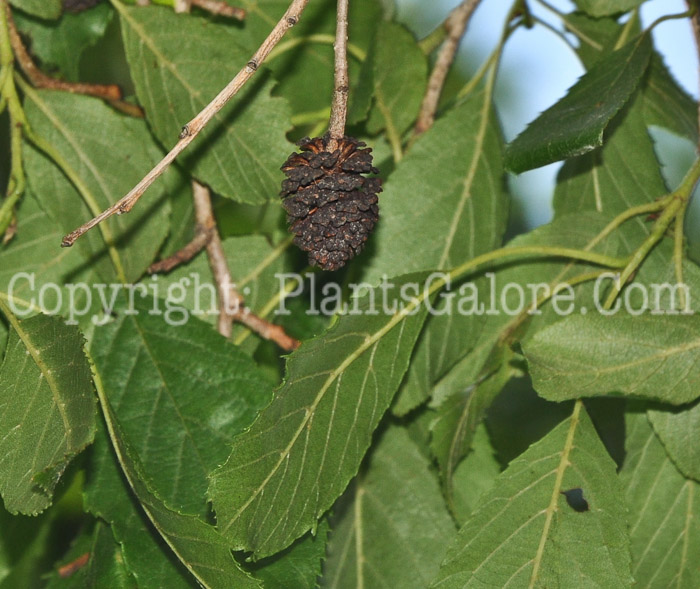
[[195, 126]]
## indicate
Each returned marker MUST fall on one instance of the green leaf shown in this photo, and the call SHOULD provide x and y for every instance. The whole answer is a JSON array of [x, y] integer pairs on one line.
[[61, 43], [47, 410], [108, 496], [400, 77], [50, 9], [667, 104], [106, 152], [676, 428], [523, 532], [26, 545], [575, 124], [296, 567], [648, 356], [392, 529], [445, 202], [181, 393], [459, 415], [510, 288], [442, 205], [303, 60], [474, 476], [598, 8], [198, 546], [179, 63], [301, 452], [664, 512], [104, 568], [34, 271], [624, 174]]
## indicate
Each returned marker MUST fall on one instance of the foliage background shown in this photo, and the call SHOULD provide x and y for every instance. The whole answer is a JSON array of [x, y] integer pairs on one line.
[[468, 472]]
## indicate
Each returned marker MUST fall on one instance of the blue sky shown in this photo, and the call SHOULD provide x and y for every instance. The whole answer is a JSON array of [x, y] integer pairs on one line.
[[538, 81]]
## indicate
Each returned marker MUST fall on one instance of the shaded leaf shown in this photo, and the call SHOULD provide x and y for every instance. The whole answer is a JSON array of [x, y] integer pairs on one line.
[[181, 393], [474, 476], [666, 103], [34, 270], [108, 496], [296, 567], [198, 546], [375, 541], [104, 567], [459, 415], [648, 356], [178, 64], [523, 533], [25, 548], [677, 429], [400, 77], [47, 410], [447, 190], [256, 270], [664, 512], [106, 151], [575, 124], [443, 205], [510, 289], [599, 8], [61, 43], [42, 8], [301, 452], [309, 64]]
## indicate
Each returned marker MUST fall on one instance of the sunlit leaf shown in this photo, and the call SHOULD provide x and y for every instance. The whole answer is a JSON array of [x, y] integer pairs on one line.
[[443, 205], [524, 532], [181, 393], [288, 468], [664, 512], [653, 357], [400, 78], [35, 272]]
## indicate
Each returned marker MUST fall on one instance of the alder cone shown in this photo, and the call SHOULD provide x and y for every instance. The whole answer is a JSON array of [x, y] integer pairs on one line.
[[79, 5], [331, 207]]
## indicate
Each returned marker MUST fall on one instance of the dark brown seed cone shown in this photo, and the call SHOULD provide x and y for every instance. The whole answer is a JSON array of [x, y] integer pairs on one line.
[[78, 5], [331, 206]]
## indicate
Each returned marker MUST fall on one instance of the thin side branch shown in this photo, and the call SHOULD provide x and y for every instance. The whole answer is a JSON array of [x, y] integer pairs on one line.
[[231, 304], [40, 80], [456, 25], [220, 8], [198, 243], [193, 128], [339, 105]]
